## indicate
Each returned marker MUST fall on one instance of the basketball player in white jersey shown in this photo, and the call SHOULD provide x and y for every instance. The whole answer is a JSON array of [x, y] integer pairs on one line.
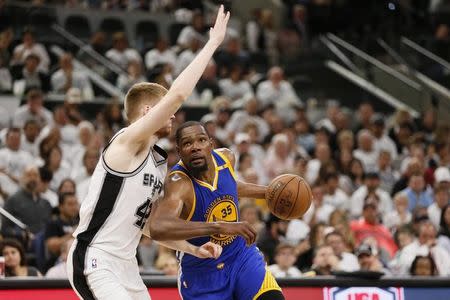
[[126, 181]]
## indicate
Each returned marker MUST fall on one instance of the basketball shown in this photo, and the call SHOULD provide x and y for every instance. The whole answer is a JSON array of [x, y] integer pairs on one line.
[[289, 196]]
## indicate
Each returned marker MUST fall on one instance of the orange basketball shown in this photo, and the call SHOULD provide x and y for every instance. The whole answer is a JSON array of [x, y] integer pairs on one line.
[[289, 196]]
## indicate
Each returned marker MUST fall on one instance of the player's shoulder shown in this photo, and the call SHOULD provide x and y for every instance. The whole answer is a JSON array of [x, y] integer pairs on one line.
[[178, 178], [228, 153]]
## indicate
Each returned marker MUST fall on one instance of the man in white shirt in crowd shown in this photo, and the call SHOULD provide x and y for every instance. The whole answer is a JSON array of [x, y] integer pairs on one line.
[[67, 77], [59, 271], [284, 262], [82, 176], [195, 30], [441, 200], [240, 118], [30, 141], [347, 261], [381, 139], [161, 54], [368, 259], [188, 55], [319, 211], [13, 161], [333, 194], [366, 151], [120, 53], [33, 109], [322, 156], [278, 92], [29, 46], [388, 176], [371, 186], [424, 245]]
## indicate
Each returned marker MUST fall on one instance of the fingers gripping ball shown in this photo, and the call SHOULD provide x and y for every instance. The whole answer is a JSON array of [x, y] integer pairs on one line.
[[289, 196]]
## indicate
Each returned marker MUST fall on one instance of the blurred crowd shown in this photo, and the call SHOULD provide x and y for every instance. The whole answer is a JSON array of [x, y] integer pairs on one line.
[[380, 181]]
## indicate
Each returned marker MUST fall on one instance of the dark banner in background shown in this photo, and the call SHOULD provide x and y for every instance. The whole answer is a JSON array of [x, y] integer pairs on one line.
[[161, 288]]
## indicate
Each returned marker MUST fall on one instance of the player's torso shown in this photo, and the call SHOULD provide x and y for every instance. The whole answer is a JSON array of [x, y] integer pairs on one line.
[[213, 203], [117, 205]]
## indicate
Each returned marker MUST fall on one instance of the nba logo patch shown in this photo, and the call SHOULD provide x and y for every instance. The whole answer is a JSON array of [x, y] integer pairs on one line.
[[94, 263]]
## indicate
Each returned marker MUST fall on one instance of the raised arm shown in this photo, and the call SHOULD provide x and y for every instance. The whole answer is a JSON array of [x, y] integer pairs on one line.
[[245, 190], [181, 88], [168, 216]]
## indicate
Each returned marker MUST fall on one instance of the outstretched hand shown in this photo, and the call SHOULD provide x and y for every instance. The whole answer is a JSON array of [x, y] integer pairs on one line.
[[217, 33], [209, 250]]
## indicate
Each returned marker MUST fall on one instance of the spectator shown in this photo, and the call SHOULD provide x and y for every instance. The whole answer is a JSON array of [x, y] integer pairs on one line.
[[270, 36], [97, 43], [325, 261], [236, 87], [82, 176], [255, 33], [441, 200], [418, 194], [67, 186], [442, 177], [319, 211], [120, 53], [251, 214], [423, 266], [381, 140], [54, 163], [86, 135], [403, 237], [279, 159], [346, 261], [322, 156], [284, 262], [67, 77], [444, 224], [371, 187], [62, 131], [402, 133], [305, 250], [276, 91], [334, 196], [369, 225], [161, 54], [13, 161], [304, 136], [415, 166], [29, 142], [208, 87], [30, 77], [400, 216], [168, 264], [364, 116], [188, 55], [60, 269], [356, 175], [330, 121], [32, 110], [28, 47], [60, 228], [45, 191], [366, 151], [232, 55], [27, 205], [113, 121], [388, 176], [271, 236], [15, 260], [424, 245], [134, 75], [194, 31], [369, 261]]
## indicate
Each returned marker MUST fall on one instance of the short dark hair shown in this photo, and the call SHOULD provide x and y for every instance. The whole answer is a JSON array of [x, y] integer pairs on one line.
[[412, 269], [30, 122], [186, 125], [46, 174], [63, 196], [12, 130]]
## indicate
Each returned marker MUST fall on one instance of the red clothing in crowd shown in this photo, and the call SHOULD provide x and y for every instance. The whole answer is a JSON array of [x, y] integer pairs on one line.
[[361, 230]]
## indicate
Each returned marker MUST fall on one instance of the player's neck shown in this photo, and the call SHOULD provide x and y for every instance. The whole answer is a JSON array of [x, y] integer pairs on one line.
[[207, 175]]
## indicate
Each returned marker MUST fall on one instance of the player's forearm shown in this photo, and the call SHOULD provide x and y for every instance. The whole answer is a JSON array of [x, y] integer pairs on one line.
[[179, 245], [163, 229], [250, 190], [186, 81]]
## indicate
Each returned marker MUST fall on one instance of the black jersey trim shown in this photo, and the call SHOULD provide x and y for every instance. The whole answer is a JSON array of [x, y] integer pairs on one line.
[[109, 193]]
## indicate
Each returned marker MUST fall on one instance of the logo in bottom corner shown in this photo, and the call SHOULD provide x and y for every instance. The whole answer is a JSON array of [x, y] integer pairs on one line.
[[363, 293]]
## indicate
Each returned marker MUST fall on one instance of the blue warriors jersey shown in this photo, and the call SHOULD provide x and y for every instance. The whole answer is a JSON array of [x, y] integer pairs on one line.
[[212, 203], [240, 272]]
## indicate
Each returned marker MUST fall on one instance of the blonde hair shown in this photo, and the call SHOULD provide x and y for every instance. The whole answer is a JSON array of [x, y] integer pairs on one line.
[[142, 93]]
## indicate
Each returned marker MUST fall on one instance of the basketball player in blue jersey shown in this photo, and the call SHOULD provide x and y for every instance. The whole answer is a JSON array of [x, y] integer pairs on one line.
[[200, 204]]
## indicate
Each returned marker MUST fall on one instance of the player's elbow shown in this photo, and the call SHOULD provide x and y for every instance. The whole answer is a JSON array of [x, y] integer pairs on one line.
[[157, 231]]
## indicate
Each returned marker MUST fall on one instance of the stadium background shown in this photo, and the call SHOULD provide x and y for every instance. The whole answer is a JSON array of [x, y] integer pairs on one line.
[[352, 95]]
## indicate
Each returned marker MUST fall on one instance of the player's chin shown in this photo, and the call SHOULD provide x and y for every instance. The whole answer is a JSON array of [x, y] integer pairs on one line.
[[198, 166]]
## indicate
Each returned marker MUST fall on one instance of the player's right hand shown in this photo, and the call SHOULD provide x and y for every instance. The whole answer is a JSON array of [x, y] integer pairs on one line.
[[217, 33], [239, 228]]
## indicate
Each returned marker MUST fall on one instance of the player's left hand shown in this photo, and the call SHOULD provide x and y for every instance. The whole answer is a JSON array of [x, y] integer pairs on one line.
[[208, 250]]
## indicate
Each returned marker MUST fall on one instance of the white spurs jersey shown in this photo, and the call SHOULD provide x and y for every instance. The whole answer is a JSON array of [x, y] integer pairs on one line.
[[118, 204]]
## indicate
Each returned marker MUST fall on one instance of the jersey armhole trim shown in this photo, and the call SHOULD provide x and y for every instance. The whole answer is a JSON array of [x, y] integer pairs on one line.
[[194, 203], [227, 163]]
